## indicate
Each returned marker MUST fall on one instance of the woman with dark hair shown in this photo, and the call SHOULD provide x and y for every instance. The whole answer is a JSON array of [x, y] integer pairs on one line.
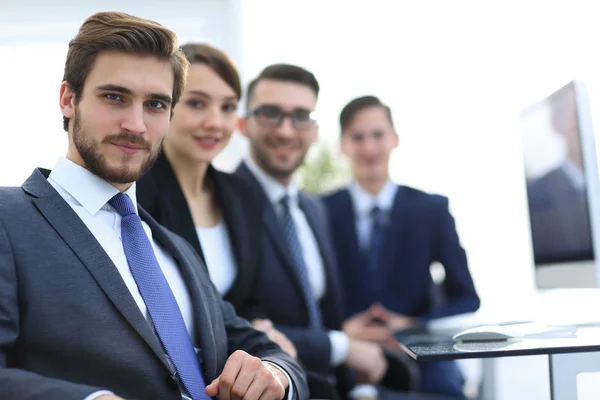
[[210, 208]]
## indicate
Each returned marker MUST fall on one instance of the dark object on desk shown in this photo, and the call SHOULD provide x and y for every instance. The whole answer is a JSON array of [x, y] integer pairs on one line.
[[450, 350]]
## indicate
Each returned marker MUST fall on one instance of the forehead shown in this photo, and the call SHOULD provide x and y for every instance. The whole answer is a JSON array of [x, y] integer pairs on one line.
[[368, 118], [203, 78], [140, 74], [287, 95]]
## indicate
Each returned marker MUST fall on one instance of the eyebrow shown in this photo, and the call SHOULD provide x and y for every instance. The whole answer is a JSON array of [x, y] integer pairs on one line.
[[204, 94], [121, 89]]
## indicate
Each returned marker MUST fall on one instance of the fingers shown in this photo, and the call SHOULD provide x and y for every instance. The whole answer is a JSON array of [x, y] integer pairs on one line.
[[262, 324], [283, 342], [246, 385], [248, 378], [230, 373], [213, 389]]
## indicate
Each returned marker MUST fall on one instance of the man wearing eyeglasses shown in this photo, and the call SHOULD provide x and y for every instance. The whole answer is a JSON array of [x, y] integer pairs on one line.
[[299, 288]]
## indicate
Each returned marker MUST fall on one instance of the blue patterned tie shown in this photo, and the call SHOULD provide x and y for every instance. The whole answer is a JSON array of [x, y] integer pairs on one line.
[[159, 298], [291, 236]]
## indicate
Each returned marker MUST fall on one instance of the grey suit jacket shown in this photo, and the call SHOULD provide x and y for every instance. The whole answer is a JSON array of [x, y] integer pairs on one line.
[[68, 324]]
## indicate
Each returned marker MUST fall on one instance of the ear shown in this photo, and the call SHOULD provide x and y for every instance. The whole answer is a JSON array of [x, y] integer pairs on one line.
[[241, 124], [395, 140], [315, 134], [67, 100]]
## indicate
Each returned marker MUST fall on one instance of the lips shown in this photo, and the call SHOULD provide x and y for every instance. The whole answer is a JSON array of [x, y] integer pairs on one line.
[[128, 147], [207, 142]]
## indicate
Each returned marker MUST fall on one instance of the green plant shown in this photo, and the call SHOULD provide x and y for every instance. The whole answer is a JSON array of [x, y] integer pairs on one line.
[[323, 170]]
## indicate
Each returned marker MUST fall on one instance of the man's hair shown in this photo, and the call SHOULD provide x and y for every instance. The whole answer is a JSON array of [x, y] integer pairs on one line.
[[215, 59], [120, 32], [284, 73], [359, 104]]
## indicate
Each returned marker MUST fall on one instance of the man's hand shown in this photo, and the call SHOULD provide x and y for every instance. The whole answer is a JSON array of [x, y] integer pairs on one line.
[[247, 377], [367, 359], [394, 321], [266, 326], [364, 326]]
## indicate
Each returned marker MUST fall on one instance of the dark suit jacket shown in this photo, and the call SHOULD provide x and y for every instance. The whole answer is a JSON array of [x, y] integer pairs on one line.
[[560, 220], [160, 194], [279, 290], [421, 231], [68, 324]]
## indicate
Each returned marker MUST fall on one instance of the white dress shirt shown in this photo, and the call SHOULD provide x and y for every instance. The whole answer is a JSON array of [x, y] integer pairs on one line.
[[88, 196], [310, 249], [364, 202], [218, 255]]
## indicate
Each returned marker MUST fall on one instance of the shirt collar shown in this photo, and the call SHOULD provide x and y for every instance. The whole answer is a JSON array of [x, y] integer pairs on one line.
[[89, 190], [274, 190], [365, 201]]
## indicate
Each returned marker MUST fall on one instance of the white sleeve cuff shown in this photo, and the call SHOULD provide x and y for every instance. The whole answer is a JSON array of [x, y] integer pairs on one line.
[[290, 395], [339, 347], [364, 391], [97, 394]]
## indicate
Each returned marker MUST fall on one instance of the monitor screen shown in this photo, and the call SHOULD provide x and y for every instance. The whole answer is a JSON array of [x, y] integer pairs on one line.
[[557, 187]]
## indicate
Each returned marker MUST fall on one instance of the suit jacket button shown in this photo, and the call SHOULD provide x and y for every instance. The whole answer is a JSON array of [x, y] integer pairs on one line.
[[172, 382]]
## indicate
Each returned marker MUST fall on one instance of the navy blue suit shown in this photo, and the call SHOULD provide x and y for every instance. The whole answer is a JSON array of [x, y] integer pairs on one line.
[[421, 231]]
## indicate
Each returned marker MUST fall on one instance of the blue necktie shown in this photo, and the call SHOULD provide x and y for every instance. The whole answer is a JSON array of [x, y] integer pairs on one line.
[[378, 224], [159, 298], [291, 236]]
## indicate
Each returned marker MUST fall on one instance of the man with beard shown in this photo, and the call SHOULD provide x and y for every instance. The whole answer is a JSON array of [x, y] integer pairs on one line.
[[98, 301], [299, 286]]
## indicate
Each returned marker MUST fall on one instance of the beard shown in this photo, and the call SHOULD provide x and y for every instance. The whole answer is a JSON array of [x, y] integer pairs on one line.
[[278, 172], [97, 163]]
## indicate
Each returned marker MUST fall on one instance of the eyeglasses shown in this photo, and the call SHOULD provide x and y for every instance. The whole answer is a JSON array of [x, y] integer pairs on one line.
[[270, 117]]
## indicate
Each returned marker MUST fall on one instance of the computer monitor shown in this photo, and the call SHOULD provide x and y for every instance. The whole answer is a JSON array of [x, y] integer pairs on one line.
[[563, 191]]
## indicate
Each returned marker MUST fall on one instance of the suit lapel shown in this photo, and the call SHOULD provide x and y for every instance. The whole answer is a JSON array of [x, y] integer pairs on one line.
[[348, 233], [394, 241], [83, 243], [202, 315], [238, 231], [273, 229]]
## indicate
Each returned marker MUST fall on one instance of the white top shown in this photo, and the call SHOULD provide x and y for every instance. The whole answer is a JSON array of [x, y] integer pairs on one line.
[[364, 202], [218, 255]]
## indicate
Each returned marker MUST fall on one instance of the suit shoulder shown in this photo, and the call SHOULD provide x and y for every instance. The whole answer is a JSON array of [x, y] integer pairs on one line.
[[333, 197], [11, 197], [423, 198], [236, 182]]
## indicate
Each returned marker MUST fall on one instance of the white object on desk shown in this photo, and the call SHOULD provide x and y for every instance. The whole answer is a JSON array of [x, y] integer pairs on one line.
[[513, 331]]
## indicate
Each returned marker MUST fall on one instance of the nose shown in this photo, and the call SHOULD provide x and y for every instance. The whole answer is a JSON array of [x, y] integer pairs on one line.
[[134, 120], [285, 128], [213, 119]]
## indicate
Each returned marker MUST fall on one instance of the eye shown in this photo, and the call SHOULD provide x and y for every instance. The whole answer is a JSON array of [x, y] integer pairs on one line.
[[301, 115], [356, 137], [195, 103], [271, 112], [158, 105], [230, 108], [377, 135], [113, 97]]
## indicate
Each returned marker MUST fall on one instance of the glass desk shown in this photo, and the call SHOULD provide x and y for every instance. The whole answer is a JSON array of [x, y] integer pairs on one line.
[[576, 352]]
